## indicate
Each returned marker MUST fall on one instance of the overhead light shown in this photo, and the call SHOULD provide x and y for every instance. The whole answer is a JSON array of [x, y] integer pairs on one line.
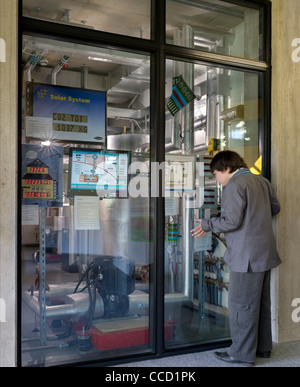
[[241, 124], [46, 143], [99, 59]]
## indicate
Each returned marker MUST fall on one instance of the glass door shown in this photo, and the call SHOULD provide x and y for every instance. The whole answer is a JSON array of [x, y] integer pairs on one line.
[[208, 109]]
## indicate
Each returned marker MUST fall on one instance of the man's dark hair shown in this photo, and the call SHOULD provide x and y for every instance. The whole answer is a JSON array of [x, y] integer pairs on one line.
[[227, 159]]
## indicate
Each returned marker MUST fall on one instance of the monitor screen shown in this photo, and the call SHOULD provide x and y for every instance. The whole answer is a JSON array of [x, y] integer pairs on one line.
[[98, 172], [66, 113]]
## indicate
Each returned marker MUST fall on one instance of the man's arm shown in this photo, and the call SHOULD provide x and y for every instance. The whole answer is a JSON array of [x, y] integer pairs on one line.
[[275, 206], [198, 232], [232, 214]]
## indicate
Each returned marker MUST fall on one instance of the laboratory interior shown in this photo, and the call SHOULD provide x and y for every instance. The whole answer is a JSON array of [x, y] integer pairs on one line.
[[105, 275]]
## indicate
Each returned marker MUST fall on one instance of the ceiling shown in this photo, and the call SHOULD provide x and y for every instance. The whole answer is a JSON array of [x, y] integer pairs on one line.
[[126, 17], [80, 55], [130, 17]]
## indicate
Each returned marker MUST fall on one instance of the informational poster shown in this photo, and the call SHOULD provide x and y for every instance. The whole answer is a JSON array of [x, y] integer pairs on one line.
[[65, 113], [42, 175], [86, 213], [30, 215], [171, 207], [179, 173]]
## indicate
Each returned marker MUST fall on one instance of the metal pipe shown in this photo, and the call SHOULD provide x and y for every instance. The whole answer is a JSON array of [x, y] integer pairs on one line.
[[33, 60], [77, 305], [177, 70], [188, 148], [64, 60], [44, 347], [188, 245], [200, 123], [54, 312], [85, 73]]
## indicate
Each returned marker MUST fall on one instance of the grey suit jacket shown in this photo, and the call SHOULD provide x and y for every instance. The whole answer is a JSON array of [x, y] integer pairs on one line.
[[248, 204]]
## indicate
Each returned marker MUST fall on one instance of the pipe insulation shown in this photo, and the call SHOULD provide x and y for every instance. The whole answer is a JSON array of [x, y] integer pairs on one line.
[[77, 305]]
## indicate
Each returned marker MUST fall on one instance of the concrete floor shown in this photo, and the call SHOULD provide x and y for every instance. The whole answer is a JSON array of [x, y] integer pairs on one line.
[[283, 355]]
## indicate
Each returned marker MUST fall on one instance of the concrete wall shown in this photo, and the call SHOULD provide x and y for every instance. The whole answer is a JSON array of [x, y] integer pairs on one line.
[[8, 179], [285, 159]]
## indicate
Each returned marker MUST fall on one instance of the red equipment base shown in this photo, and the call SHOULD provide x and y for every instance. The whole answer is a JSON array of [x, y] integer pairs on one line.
[[123, 333]]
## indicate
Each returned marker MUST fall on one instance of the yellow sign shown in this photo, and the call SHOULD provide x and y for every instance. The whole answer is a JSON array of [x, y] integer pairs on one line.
[[256, 170]]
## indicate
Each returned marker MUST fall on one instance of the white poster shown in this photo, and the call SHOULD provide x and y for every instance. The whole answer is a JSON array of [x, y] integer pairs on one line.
[[30, 215], [86, 213]]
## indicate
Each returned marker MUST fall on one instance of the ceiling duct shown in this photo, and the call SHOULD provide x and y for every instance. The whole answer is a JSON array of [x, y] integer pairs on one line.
[[66, 16]]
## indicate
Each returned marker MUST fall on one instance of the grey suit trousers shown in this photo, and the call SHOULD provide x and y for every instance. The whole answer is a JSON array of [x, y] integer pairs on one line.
[[249, 305]]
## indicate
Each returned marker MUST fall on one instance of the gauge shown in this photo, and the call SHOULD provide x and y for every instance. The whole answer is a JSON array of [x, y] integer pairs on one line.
[[171, 249]]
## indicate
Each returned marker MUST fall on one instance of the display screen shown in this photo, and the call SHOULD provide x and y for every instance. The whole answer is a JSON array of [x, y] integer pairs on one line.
[[65, 113], [98, 172], [42, 175]]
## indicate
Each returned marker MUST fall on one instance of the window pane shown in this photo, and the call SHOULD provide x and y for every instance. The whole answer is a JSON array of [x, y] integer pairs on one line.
[[216, 26], [86, 240], [208, 109], [125, 17]]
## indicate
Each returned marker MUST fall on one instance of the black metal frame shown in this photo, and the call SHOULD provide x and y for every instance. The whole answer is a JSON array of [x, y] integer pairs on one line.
[[159, 51]]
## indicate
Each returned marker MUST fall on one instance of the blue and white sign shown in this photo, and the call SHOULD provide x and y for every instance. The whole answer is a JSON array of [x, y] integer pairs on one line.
[[63, 113]]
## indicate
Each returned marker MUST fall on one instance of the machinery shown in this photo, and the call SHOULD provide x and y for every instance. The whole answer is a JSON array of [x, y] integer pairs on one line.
[[113, 277]]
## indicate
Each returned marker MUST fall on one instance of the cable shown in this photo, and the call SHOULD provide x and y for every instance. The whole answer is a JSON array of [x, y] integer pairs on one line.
[[92, 310], [63, 335], [92, 296], [83, 276]]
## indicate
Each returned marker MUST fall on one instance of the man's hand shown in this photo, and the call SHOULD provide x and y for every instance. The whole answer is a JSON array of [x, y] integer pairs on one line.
[[198, 231]]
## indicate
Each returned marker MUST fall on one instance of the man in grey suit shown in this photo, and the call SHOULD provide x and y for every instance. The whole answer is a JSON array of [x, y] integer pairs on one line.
[[248, 204]]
